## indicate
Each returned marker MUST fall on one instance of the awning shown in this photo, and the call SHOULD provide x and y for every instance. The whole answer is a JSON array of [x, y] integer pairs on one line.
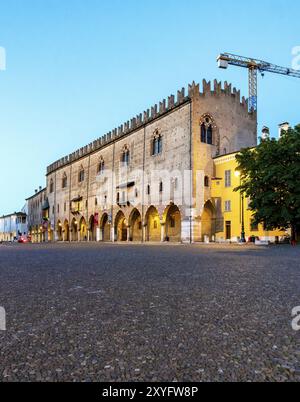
[[126, 185], [77, 199]]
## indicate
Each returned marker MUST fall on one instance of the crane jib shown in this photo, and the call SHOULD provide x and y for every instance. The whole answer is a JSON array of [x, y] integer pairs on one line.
[[254, 66]]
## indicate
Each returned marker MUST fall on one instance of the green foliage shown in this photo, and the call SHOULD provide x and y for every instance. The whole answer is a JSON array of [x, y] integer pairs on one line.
[[270, 177]]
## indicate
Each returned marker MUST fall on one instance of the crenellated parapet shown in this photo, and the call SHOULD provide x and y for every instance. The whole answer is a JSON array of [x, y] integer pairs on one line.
[[155, 112]]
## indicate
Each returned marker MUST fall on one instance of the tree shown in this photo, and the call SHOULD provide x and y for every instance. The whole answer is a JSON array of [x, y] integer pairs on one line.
[[270, 177]]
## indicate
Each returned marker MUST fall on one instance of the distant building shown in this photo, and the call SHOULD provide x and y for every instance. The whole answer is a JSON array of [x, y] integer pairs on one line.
[[36, 223], [13, 226]]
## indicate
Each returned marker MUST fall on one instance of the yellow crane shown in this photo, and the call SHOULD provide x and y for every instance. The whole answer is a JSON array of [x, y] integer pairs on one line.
[[254, 67]]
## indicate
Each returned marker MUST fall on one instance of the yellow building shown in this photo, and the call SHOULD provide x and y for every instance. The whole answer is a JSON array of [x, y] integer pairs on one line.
[[231, 208]]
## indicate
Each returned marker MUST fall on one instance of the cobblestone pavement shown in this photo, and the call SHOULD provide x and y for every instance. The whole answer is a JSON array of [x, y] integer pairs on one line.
[[154, 313]]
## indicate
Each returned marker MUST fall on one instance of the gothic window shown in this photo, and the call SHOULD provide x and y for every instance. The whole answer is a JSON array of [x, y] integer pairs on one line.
[[207, 131], [157, 144], [206, 181], [81, 175], [125, 157], [64, 181], [118, 198], [148, 189], [51, 186], [101, 166]]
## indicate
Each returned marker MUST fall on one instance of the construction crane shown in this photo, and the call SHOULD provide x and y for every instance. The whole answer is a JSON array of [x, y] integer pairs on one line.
[[254, 67]]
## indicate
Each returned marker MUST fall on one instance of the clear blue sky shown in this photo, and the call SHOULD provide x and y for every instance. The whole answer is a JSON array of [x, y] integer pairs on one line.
[[77, 69]]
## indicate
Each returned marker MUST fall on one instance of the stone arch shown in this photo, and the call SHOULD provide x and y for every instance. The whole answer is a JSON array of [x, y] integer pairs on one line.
[[59, 231], [92, 229], [172, 219], [208, 220], [83, 229], [105, 228], [74, 230], [50, 234], [120, 227], [66, 231], [135, 224], [153, 225]]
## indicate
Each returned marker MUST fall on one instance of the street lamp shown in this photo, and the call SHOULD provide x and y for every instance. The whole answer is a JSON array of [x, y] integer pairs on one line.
[[243, 234]]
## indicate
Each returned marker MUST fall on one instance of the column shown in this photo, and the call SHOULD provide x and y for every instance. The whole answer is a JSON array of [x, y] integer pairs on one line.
[[163, 231]]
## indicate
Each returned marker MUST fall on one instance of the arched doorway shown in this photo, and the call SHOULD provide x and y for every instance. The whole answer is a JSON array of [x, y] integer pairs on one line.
[[92, 229], [120, 227], [83, 230], [172, 218], [208, 222], [136, 229], [59, 231], [50, 234], [66, 231], [74, 230], [105, 228], [153, 232]]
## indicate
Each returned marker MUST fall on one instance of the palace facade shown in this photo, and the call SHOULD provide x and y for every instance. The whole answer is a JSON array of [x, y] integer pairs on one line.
[[154, 177]]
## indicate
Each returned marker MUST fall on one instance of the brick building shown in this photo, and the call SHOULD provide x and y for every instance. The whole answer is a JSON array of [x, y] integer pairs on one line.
[[149, 179]]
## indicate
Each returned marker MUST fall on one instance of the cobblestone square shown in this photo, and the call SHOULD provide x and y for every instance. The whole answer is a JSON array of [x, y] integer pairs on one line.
[[108, 312]]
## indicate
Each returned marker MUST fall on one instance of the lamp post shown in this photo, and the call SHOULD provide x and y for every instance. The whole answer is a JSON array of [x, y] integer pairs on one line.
[[243, 234]]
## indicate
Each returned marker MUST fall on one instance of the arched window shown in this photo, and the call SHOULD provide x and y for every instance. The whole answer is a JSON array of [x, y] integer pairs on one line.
[[118, 198], [64, 181], [206, 181], [101, 166], [51, 189], [157, 144], [125, 157], [81, 175], [207, 131], [148, 189]]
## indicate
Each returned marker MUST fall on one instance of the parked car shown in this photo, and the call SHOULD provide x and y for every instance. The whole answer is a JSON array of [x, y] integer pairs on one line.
[[22, 239]]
